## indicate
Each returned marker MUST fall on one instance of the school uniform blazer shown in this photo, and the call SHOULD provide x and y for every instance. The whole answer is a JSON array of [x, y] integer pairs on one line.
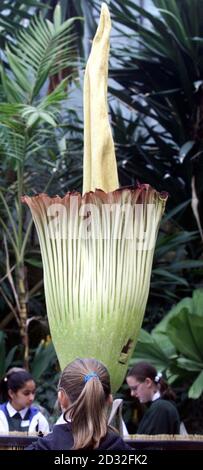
[[160, 418], [37, 423], [61, 438]]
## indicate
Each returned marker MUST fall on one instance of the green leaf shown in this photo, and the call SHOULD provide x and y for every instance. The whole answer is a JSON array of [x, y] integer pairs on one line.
[[43, 357], [184, 304], [19, 71], [189, 342], [176, 210], [44, 49], [164, 274], [57, 17], [176, 26], [10, 357], [185, 149], [34, 262], [46, 117], [186, 264], [188, 364], [149, 350], [33, 119], [197, 387], [198, 302]]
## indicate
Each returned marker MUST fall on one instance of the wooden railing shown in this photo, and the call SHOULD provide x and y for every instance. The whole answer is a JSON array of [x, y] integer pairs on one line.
[[138, 442], [166, 442]]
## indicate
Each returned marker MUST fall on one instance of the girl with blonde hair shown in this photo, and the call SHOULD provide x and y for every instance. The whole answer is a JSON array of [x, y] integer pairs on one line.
[[84, 394]]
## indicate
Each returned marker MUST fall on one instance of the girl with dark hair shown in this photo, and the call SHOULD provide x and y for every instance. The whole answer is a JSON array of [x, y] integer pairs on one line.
[[161, 416], [17, 390], [84, 394]]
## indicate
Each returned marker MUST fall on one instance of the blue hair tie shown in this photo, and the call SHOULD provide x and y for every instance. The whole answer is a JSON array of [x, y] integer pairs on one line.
[[90, 376]]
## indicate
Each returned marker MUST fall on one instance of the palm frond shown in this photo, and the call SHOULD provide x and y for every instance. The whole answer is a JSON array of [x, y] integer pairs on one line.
[[41, 51]]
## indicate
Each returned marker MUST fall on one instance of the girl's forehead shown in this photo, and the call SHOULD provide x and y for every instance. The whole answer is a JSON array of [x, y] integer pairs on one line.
[[29, 385]]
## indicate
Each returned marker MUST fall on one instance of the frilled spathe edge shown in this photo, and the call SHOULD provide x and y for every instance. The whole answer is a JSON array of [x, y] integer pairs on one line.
[[139, 194]]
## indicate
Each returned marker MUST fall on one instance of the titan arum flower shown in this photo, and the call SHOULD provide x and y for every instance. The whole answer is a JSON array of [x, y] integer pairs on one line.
[[97, 248]]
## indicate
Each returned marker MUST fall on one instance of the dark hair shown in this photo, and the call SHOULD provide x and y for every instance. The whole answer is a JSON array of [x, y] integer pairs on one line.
[[143, 370], [87, 384], [14, 380]]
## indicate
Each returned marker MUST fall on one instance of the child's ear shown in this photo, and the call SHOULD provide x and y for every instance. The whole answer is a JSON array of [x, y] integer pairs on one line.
[[63, 399], [10, 394], [149, 382]]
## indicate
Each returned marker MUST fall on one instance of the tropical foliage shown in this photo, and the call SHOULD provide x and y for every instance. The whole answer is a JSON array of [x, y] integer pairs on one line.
[[159, 70], [32, 135], [14, 16], [179, 355]]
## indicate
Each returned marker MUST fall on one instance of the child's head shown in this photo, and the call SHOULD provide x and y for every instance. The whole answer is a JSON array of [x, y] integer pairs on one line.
[[18, 387], [85, 392], [144, 380]]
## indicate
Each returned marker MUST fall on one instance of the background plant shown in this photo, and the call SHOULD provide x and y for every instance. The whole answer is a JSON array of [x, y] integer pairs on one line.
[[174, 347], [159, 71], [30, 127]]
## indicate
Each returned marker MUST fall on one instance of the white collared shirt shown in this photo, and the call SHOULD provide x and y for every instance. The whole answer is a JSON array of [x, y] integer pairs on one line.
[[156, 396], [12, 411], [38, 421]]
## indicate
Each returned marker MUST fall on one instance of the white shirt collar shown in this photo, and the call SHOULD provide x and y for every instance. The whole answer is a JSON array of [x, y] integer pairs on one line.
[[12, 411], [156, 396]]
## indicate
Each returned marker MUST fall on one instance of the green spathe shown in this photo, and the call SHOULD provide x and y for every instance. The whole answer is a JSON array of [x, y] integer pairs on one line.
[[97, 274]]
